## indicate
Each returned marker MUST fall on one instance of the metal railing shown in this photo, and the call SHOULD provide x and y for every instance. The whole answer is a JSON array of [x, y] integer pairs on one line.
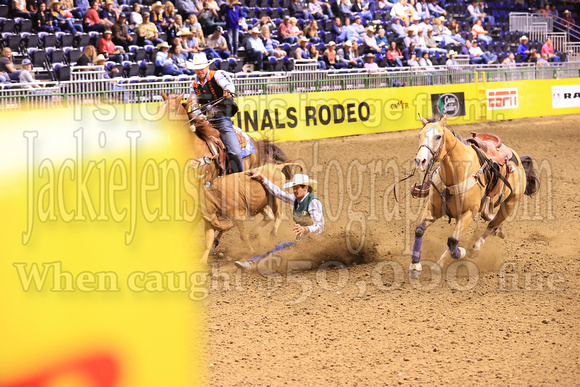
[[141, 90]]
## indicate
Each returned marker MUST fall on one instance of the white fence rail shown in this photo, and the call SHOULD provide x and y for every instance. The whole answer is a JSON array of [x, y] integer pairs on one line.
[[91, 87]]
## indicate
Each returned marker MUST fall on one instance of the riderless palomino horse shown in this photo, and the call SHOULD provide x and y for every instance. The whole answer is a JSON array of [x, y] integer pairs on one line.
[[464, 178], [209, 152]]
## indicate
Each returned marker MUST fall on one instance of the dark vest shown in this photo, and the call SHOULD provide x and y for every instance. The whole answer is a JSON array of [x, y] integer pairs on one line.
[[301, 214], [212, 91]]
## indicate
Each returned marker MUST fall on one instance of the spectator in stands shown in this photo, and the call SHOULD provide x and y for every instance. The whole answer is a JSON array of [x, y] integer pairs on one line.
[[401, 11], [426, 63], [92, 20], [337, 31], [413, 62], [267, 21], [350, 30], [88, 57], [81, 9], [164, 60], [60, 19], [398, 30], [394, 56], [301, 51], [341, 55], [311, 31], [218, 43], [175, 27], [487, 57], [135, 19], [285, 31], [42, 20], [255, 50], [420, 43], [422, 8], [101, 61], [545, 11], [107, 46], [435, 10], [455, 28], [121, 35], [180, 60], [409, 50], [369, 41], [209, 15], [19, 9], [6, 64], [476, 13], [26, 75], [444, 35], [451, 62], [426, 23], [362, 10], [299, 11], [480, 33], [169, 13], [187, 7], [509, 61], [147, 32], [320, 10], [193, 25], [548, 50], [345, 8], [568, 20], [370, 63], [232, 14], [271, 45], [410, 38], [314, 54], [358, 26], [156, 16], [554, 12], [187, 41], [382, 40], [330, 57], [31, 6], [430, 43], [541, 60], [295, 30], [524, 52], [109, 13]]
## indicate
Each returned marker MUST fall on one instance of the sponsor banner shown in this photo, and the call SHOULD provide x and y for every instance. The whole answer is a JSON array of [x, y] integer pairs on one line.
[[450, 104], [565, 96], [498, 99], [95, 252]]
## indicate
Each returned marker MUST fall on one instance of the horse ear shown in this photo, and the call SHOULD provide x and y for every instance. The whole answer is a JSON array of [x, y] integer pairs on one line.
[[423, 120], [180, 97], [443, 120], [164, 96]]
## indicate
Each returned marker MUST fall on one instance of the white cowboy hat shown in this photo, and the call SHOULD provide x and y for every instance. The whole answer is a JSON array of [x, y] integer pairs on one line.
[[451, 53], [100, 57], [301, 179], [370, 28], [255, 30], [162, 45], [524, 37], [348, 43], [200, 62]]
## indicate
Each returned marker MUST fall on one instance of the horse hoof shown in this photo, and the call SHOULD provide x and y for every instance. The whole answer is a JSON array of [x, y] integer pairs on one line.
[[415, 270], [462, 253], [414, 274]]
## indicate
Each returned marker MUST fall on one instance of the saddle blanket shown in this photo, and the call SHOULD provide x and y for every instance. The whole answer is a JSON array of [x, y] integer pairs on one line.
[[249, 148]]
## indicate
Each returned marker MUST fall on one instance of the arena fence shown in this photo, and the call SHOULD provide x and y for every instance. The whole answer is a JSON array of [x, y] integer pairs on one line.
[[88, 86]]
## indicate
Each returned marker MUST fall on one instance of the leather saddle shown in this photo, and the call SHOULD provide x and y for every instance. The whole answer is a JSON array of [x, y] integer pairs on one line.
[[494, 156], [218, 150]]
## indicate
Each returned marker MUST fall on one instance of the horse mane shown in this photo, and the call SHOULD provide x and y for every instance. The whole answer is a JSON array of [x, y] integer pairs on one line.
[[205, 129]]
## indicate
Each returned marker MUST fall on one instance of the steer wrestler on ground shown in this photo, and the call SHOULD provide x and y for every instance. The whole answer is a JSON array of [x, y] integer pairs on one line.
[[307, 214]]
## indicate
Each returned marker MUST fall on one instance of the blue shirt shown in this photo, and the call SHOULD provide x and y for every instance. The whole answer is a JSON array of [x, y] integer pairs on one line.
[[232, 16], [161, 58], [256, 44], [522, 51]]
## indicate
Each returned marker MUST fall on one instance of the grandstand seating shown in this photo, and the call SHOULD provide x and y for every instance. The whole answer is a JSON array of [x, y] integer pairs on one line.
[[52, 53]]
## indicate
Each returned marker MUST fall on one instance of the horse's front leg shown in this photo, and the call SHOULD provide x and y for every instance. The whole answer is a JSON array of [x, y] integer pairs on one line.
[[430, 215], [453, 249]]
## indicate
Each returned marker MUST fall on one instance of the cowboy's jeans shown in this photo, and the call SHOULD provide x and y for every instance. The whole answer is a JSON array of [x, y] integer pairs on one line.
[[225, 127]]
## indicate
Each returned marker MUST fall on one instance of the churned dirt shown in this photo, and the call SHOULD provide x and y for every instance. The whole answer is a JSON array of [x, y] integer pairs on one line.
[[507, 317]]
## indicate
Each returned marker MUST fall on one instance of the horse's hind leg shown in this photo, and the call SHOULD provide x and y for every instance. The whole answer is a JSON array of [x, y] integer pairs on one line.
[[209, 239], [244, 235], [505, 209]]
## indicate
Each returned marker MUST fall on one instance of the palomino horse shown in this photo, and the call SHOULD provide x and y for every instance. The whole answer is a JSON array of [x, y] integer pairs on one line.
[[205, 162], [462, 184]]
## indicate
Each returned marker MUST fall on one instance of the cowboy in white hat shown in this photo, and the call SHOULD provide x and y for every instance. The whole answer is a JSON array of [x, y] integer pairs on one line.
[[211, 86], [307, 214]]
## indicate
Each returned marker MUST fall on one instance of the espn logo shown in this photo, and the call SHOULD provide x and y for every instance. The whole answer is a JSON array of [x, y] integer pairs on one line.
[[502, 99]]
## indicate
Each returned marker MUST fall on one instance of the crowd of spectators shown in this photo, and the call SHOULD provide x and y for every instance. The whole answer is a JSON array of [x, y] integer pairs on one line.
[[338, 34]]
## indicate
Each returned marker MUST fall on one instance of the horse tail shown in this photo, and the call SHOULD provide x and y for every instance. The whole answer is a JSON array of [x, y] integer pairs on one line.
[[532, 179]]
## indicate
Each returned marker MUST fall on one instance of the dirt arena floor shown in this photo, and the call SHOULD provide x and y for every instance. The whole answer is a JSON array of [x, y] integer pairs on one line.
[[512, 321]]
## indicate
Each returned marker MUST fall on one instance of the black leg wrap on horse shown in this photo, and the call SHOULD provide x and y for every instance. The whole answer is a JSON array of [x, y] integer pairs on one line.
[[420, 230], [452, 243]]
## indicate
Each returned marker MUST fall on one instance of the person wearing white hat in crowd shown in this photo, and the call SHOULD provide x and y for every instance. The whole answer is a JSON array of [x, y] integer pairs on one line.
[[255, 49], [164, 59], [100, 61], [523, 51], [210, 86], [452, 63], [308, 216], [26, 75]]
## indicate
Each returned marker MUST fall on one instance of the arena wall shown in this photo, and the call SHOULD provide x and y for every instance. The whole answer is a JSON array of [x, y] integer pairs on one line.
[[306, 116]]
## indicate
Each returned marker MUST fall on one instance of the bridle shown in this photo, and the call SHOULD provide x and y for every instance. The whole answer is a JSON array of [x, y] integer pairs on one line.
[[422, 190]]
